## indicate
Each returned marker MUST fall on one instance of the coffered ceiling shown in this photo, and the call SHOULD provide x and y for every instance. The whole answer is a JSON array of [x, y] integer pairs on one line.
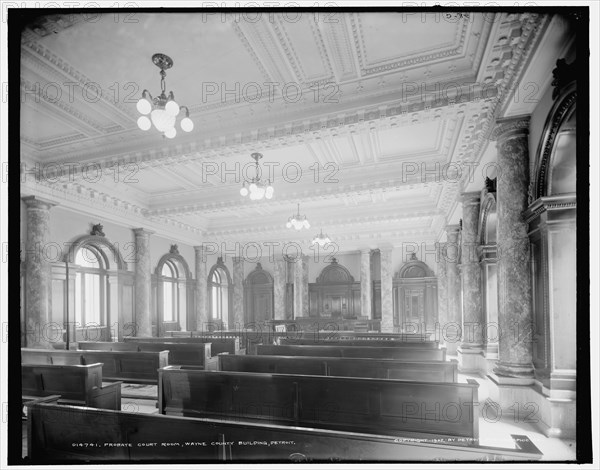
[[369, 120]]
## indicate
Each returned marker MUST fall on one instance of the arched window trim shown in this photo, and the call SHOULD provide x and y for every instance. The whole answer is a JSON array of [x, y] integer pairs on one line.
[[488, 206], [100, 244], [560, 113]]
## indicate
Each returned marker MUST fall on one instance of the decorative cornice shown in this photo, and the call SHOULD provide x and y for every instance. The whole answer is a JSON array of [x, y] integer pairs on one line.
[[510, 127], [548, 203], [35, 202]]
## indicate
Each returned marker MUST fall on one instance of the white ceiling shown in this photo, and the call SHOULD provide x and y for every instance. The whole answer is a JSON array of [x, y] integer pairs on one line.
[[386, 109]]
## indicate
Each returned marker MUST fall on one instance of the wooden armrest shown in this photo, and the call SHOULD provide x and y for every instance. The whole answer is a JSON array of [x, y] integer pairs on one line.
[[107, 397]]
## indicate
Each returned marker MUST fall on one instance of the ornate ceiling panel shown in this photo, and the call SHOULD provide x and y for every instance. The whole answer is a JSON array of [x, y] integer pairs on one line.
[[366, 119]]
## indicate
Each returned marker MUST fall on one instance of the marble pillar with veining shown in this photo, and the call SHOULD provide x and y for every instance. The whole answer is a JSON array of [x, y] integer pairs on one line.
[[452, 329], [38, 279], [515, 316], [472, 307], [279, 282], [143, 282], [387, 304], [201, 290], [442, 286], [238, 294], [365, 283], [301, 307]]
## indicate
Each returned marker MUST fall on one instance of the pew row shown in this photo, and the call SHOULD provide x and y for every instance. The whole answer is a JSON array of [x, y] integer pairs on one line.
[[185, 354], [58, 434], [127, 366], [402, 353], [359, 342], [432, 371], [395, 407], [218, 345], [76, 384]]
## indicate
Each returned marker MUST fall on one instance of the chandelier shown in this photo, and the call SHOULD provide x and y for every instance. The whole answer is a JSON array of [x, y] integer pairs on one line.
[[298, 221], [163, 109], [321, 239], [257, 189]]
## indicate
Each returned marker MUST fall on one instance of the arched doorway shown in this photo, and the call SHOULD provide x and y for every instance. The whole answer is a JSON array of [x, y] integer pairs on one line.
[[415, 295], [258, 296]]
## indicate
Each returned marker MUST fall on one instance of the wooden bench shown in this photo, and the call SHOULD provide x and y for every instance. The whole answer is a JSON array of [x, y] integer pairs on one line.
[[355, 335], [218, 345], [51, 356], [28, 400], [185, 354], [378, 406], [58, 434], [433, 371], [127, 366], [140, 367], [360, 342], [78, 384], [402, 353]]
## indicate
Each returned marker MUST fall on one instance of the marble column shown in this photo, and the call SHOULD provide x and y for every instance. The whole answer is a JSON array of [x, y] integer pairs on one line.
[[515, 316], [143, 282], [387, 304], [366, 287], [279, 282], [470, 352], [301, 307], [452, 329], [201, 291], [38, 279], [442, 290], [238, 294]]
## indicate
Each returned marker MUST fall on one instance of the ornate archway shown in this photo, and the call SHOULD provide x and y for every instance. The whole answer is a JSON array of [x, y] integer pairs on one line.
[[415, 294], [258, 296]]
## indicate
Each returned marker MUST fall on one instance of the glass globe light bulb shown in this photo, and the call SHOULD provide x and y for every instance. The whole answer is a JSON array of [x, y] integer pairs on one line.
[[244, 191], [170, 133], [144, 123], [306, 224], [143, 106], [187, 124], [172, 108], [252, 187], [269, 192], [288, 224]]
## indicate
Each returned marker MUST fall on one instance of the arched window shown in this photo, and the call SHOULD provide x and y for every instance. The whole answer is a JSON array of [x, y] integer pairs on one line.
[[216, 296], [90, 286], [172, 286], [219, 293], [170, 275]]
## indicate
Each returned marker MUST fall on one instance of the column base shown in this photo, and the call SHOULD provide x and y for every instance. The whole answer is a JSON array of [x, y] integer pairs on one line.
[[555, 417], [471, 360], [514, 370]]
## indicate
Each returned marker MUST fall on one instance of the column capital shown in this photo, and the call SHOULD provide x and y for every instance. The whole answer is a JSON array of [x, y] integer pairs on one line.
[[510, 127], [35, 202], [471, 197], [143, 232], [365, 251]]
